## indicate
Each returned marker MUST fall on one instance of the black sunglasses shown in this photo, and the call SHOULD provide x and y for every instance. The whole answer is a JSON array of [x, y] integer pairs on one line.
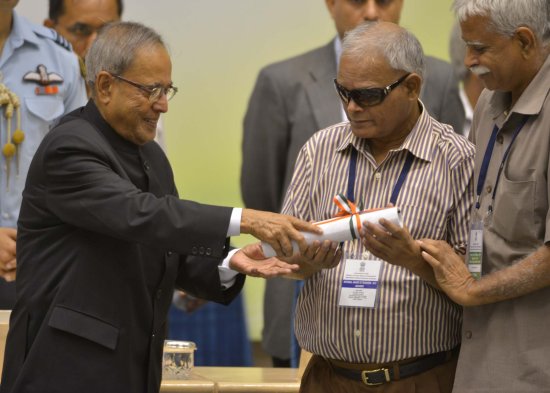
[[367, 97]]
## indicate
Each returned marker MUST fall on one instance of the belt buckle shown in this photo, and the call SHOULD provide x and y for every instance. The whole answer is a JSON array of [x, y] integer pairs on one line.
[[365, 376]]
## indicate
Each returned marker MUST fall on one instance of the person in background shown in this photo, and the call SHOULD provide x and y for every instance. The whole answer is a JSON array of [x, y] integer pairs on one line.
[[378, 320], [504, 285], [80, 20], [470, 86], [104, 238], [291, 100], [39, 82]]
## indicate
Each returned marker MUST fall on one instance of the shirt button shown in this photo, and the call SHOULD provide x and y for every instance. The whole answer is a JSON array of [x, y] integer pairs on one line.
[[358, 333], [468, 334], [500, 139], [377, 175], [146, 165], [489, 189], [169, 253]]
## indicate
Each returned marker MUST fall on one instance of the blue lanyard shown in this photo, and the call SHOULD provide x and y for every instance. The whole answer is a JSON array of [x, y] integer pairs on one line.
[[396, 189], [487, 159]]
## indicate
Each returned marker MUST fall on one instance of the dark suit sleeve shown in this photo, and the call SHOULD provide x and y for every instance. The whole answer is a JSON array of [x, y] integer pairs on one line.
[[264, 146], [200, 277], [86, 188]]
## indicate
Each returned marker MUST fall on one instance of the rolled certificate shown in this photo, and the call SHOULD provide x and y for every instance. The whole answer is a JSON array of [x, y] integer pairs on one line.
[[340, 229]]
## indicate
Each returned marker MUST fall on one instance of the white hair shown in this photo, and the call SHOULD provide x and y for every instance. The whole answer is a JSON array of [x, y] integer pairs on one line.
[[508, 15], [400, 47], [116, 45]]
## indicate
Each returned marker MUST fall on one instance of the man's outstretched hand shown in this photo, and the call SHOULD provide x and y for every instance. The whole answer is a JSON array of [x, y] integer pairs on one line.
[[251, 261]]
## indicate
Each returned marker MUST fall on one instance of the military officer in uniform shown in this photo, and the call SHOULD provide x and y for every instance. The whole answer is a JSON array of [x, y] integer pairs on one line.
[[39, 82]]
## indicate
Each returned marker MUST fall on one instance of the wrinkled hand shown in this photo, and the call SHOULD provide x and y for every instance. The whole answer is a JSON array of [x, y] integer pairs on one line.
[[391, 243], [450, 271], [250, 260], [8, 262], [317, 256], [186, 302], [278, 230]]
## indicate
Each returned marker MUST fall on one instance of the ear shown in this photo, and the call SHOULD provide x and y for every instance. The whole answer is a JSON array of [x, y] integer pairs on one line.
[[413, 84], [103, 87], [49, 23], [526, 39], [330, 7]]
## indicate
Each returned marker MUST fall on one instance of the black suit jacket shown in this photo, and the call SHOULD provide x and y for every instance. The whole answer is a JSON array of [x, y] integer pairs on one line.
[[98, 259]]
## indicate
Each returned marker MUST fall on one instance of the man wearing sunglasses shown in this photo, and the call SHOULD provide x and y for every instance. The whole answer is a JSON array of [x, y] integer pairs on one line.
[[103, 237], [293, 99], [378, 320]]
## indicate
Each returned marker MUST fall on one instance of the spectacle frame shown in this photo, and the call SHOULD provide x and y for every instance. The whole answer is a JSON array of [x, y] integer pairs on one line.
[[154, 93]]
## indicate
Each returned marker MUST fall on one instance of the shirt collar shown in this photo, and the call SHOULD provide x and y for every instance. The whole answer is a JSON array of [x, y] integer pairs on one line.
[[468, 110], [22, 31], [416, 142], [337, 50], [531, 100]]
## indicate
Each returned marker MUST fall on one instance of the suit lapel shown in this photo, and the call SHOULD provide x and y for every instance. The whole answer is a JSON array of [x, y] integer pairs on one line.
[[326, 106]]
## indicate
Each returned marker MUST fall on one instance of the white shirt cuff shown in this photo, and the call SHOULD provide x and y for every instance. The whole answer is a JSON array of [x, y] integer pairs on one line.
[[235, 222], [227, 275]]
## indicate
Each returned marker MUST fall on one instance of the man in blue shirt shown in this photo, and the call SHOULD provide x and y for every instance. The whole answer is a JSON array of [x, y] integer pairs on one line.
[[39, 82]]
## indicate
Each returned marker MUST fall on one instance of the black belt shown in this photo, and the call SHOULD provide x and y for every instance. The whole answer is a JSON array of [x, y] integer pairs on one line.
[[406, 369]]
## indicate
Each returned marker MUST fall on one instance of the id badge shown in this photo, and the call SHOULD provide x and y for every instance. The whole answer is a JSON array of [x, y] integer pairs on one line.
[[360, 282], [475, 247]]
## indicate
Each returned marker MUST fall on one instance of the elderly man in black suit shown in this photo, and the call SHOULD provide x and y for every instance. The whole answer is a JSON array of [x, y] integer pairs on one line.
[[103, 238]]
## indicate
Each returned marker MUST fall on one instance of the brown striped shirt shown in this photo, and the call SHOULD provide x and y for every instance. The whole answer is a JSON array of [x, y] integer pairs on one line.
[[411, 317]]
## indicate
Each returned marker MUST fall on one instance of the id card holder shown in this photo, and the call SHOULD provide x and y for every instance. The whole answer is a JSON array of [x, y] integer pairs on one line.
[[359, 287], [475, 247]]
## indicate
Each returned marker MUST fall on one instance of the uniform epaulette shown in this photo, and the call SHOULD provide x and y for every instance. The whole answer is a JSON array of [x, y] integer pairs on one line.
[[53, 35]]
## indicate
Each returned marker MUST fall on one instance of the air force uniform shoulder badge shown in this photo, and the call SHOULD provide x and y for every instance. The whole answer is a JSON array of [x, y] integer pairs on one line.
[[53, 35]]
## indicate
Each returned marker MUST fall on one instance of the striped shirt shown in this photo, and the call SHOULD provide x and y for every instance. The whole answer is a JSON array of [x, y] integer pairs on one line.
[[411, 318]]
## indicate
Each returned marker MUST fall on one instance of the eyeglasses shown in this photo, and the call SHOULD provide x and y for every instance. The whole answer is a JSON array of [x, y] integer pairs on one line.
[[82, 30], [367, 97], [154, 92]]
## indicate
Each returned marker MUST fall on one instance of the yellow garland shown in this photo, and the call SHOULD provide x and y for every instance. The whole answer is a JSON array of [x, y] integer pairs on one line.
[[10, 101]]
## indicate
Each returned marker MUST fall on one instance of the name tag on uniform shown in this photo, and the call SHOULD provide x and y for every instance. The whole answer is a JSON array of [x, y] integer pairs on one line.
[[360, 283], [475, 248]]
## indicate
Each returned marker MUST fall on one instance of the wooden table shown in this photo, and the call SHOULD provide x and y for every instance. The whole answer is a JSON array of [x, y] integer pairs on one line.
[[237, 379], [4, 325]]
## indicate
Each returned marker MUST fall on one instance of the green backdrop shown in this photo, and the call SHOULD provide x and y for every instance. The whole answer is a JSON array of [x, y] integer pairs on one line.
[[218, 48]]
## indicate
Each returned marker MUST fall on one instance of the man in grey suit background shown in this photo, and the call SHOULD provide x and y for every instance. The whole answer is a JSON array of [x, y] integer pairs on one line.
[[293, 99]]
